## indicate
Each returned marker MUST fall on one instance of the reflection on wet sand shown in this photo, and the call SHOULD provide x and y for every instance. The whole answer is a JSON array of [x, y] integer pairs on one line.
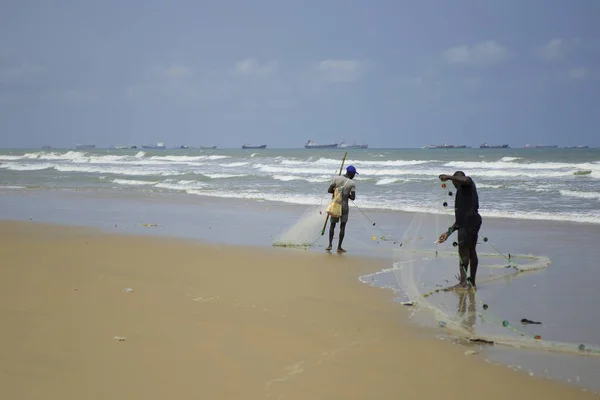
[[466, 309]]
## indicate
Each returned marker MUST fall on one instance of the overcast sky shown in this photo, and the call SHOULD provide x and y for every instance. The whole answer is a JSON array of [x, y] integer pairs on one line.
[[391, 73]]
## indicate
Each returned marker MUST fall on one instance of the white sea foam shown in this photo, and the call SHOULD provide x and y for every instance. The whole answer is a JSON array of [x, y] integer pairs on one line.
[[509, 159], [313, 174], [90, 169], [182, 185], [303, 179], [383, 204], [223, 176], [581, 195], [8, 157], [276, 197], [77, 157], [235, 164], [429, 172], [524, 168], [53, 156], [132, 182], [389, 181], [316, 179], [333, 163], [186, 159], [487, 186], [9, 187], [25, 167]]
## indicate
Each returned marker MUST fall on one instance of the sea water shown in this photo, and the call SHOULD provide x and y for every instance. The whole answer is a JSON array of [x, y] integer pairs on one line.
[[541, 184], [540, 201]]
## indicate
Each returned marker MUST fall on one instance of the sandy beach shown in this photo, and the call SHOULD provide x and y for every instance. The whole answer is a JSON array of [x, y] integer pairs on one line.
[[217, 322]]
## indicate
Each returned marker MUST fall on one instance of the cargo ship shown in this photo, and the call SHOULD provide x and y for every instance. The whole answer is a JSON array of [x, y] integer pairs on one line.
[[487, 146], [447, 146], [343, 145], [159, 145], [311, 144], [535, 146], [249, 146]]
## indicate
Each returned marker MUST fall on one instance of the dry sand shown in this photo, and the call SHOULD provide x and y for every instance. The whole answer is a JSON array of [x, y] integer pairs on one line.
[[217, 322]]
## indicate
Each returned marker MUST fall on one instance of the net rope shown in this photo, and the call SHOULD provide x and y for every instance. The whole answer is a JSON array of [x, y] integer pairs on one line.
[[424, 271]]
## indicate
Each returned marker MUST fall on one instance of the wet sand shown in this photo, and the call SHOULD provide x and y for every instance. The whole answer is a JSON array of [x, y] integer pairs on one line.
[[217, 322]]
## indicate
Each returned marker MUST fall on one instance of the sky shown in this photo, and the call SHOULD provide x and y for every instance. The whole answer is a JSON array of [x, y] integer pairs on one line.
[[388, 73]]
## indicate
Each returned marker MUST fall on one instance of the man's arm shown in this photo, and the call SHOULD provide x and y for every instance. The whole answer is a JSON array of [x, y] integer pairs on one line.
[[444, 236], [461, 180], [331, 188], [351, 189]]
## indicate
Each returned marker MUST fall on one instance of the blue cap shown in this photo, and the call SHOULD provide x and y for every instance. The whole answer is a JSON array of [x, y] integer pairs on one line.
[[351, 168]]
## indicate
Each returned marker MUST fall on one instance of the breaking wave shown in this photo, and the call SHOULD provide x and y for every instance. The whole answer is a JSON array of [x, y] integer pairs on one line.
[[515, 182]]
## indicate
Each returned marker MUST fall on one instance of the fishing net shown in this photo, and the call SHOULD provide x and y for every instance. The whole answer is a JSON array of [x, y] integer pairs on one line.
[[305, 231], [424, 271], [363, 235], [309, 228]]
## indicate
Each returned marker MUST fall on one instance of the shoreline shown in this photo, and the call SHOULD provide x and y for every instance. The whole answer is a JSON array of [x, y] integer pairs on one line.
[[231, 222], [188, 198], [196, 200], [261, 323]]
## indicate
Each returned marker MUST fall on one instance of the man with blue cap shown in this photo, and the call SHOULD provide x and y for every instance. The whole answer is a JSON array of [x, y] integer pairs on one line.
[[347, 187]]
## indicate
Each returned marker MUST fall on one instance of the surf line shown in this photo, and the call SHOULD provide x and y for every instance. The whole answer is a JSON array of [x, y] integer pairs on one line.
[[339, 174]]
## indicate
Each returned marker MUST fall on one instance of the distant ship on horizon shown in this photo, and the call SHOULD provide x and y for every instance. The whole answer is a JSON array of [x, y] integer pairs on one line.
[[486, 146], [343, 145], [535, 146], [577, 147], [447, 146], [186, 147], [159, 145], [311, 144], [249, 146]]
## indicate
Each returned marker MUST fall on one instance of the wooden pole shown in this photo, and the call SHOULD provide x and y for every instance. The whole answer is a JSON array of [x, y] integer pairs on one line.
[[339, 173]]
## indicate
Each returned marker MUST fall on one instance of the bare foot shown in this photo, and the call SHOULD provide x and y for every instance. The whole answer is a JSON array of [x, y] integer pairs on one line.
[[340, 250], [328, 249], [470, 284]]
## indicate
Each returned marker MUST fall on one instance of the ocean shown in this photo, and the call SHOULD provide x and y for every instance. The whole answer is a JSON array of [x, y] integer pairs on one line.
[[541, 202], [540, 184]]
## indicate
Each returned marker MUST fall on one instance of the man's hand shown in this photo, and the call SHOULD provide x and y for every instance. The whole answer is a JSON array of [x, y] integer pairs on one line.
[[444, 177], [443, 237]]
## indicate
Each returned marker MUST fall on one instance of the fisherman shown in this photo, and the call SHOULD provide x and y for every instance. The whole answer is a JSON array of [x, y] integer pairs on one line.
[[346, 185], [467, 222]]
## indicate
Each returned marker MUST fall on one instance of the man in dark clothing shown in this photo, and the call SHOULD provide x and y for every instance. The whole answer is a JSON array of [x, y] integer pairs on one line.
[[467, 222]]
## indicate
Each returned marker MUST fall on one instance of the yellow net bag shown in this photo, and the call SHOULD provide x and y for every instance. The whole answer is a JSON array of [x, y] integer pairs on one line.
[[334, 209]]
